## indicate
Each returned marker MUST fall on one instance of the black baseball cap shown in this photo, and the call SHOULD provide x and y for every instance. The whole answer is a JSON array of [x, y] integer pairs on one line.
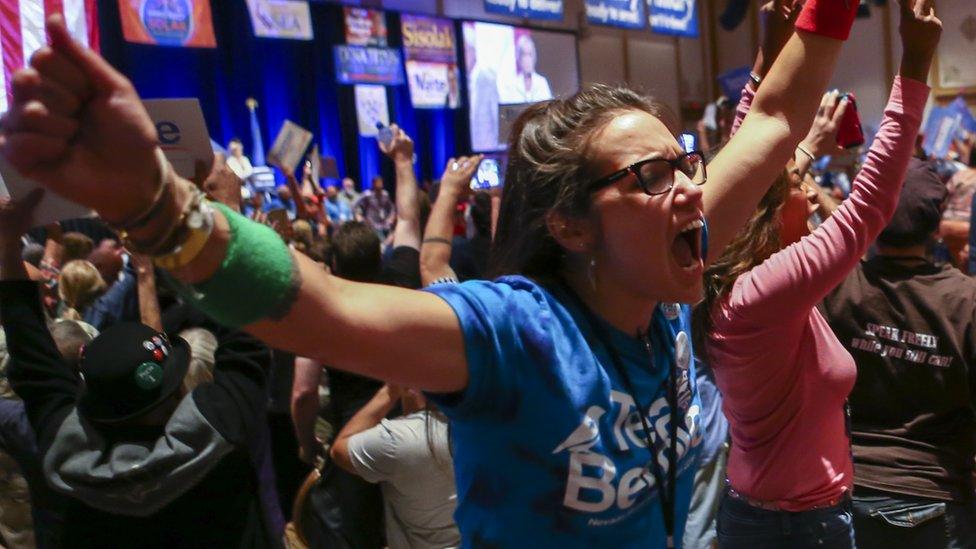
[[129, 369], [919, 209]]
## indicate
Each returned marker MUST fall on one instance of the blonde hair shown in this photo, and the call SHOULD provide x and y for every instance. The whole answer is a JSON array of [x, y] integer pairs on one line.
[[203, 345], [79, 285]]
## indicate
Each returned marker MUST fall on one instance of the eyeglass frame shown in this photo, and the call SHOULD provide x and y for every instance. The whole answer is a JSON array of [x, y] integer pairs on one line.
[[634, 169]]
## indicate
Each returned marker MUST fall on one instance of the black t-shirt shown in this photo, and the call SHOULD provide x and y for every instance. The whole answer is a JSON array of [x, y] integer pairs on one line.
[[910, 328], [402, 268]]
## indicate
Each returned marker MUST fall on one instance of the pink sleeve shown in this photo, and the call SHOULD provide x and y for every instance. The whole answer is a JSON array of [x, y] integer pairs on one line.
[[792, 281], [745, 103]]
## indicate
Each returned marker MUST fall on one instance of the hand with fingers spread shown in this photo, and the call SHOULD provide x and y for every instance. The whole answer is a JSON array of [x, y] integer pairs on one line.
[[920, 31], [822, 139], [77, 127]]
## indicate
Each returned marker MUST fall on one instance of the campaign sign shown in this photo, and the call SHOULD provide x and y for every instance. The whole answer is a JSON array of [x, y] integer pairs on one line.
[[281, 19], [371, 109], [429, 51], [290, 146], [628, 14], [942, 126], [967, 122], [674, 17], [368, 65], [733, 81], [532, 9], [364, 27], [183, 134], [184, 23]]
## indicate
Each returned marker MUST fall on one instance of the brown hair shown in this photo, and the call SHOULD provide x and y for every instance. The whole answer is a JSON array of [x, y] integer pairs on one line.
[[548, 168], [758, 239], [76, 246]]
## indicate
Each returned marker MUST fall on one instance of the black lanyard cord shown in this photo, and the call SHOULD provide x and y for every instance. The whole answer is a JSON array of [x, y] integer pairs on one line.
[[666, 490]]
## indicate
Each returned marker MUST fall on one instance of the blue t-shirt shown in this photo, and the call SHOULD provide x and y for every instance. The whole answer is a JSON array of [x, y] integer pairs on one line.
[[548, 448]]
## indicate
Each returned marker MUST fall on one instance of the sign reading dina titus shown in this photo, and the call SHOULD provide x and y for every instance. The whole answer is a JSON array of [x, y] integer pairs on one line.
[[674, 17], [533, 9], [368, 65], [628, 14]]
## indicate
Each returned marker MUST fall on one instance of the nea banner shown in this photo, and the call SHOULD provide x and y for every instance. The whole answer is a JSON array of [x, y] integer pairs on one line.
[[628, 14], [532, 9], [281, 19], [185, 23], [431, 61]]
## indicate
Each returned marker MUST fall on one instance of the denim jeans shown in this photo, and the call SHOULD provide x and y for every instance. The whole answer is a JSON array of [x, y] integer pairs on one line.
[[742, 526], [886, 520]]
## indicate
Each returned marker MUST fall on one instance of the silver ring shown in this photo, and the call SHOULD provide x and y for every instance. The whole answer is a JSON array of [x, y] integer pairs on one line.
[[454, 166]]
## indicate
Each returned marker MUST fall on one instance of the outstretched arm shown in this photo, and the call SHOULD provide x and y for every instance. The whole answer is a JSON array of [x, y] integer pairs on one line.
[[435, 255], [400, 150], [780, 117]]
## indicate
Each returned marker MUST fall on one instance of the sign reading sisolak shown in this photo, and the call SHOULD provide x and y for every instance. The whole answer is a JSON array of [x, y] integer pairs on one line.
[[628, 14], [532, 9], [674, 17]]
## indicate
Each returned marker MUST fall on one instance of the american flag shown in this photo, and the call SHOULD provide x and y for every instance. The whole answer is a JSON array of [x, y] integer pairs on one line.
[[22, 31]]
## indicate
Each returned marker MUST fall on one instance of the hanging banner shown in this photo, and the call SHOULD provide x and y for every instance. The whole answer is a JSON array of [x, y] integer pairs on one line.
[[371, 109], [673, 17], [367, 65], [532, 9], [733, 81], [184, 23], [431, 62], [364, 27], [967, 122], [628, 14], [281, 19]]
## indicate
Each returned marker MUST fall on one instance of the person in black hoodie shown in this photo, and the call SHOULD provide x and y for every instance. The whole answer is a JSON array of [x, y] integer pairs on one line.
[[142, 464]]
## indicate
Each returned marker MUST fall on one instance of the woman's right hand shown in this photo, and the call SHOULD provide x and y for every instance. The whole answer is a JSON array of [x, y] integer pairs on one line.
[[456, 178], [78, 127], [920, 32]]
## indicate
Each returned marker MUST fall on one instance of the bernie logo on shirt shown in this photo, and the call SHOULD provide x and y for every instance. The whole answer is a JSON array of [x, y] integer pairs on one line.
[[169, 22]]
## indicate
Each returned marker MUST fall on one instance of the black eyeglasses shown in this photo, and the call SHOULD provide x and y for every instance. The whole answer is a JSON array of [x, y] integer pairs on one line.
[[656, 175]]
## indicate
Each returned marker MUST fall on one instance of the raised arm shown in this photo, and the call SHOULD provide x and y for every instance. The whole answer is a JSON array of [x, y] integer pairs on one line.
[[305, 407], [435, 255], [116, 167], [779, 118], [400, 150], [798, 277]]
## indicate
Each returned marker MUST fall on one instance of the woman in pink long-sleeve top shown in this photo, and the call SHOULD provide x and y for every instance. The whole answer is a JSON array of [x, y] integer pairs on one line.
[[784, 376]]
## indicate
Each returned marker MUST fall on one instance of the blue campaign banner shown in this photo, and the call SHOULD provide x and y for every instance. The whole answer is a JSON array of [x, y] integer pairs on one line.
[[532, 9], [967, 122], [628, 14], [674, 17], [940, 129], [733, 81], [368, 65]]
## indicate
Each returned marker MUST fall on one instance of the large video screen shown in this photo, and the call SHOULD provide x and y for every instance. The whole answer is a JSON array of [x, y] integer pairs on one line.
[[508, 68]]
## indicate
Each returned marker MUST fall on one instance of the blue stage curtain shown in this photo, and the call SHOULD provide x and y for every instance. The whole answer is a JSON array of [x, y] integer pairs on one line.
[[290, 79]]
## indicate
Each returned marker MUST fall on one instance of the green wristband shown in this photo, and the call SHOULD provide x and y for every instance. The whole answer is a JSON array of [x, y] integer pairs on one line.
[[258, 278]]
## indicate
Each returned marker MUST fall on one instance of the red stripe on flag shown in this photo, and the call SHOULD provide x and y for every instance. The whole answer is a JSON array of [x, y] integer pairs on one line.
[[91, 15], [10, 37], [53, 6]]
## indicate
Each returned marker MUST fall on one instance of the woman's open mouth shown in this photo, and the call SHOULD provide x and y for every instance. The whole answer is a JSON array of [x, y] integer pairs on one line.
[[687, 246]]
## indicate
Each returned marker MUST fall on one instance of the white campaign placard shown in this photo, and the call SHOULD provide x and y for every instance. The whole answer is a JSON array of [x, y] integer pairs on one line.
[[183, 134], [290, 146], [281, 19], [52, 207], [371, 108]]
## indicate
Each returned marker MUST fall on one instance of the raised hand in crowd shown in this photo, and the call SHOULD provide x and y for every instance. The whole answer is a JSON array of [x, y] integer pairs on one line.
[[822, 139], [400, 150], [223, 185], [15, 220], [920, 32], [435, 255], [778, 17]]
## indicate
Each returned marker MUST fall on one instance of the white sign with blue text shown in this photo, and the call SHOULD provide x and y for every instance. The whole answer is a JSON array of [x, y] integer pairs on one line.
[[531, 9], [674, 17], [628, 14], [183, 134]]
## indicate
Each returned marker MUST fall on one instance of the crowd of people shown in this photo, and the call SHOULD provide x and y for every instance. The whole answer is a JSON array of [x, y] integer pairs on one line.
[[628, 344]]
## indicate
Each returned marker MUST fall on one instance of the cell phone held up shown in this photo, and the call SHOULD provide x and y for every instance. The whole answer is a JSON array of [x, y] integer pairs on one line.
[[850, 134]]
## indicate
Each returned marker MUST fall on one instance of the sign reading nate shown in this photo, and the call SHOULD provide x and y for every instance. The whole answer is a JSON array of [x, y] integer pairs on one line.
[[431, 61]]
